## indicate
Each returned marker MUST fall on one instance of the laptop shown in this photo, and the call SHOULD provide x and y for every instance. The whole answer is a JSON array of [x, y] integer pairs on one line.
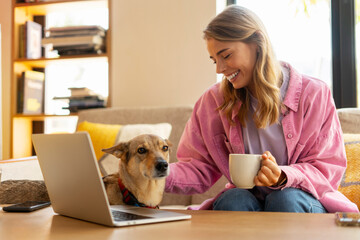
[[74, 183]]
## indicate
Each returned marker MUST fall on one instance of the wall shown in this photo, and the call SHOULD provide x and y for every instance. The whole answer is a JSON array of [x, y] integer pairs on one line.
[[159, 57]]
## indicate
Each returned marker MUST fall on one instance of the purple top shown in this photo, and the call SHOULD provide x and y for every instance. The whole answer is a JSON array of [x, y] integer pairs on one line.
[[271, 138]]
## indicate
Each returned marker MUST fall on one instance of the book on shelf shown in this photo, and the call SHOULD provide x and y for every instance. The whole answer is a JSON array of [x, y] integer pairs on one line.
[[22, 41], [75, 40], [32, 35], [86, 102], [33, 1], [82, 98], [81, 92], [88, 98], [31, 92], [79, 49], [75, 31], [25, 1]]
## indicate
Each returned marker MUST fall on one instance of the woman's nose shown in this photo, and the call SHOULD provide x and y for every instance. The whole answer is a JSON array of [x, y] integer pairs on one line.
[[220, 67]]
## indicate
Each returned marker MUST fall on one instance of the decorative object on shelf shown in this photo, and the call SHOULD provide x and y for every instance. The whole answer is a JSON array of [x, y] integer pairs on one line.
[[76, 40], [31, 92]]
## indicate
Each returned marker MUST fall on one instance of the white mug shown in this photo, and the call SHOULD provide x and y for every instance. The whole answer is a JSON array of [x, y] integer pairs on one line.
[[243, 169]]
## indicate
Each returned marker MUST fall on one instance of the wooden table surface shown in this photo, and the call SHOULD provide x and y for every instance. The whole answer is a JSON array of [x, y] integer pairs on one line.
[[45, 224]]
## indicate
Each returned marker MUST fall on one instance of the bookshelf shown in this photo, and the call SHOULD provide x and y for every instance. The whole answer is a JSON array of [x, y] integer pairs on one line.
[[23, 125]]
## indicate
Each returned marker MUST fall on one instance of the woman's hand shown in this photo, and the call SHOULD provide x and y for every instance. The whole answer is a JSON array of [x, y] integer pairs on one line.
[[270, 173]]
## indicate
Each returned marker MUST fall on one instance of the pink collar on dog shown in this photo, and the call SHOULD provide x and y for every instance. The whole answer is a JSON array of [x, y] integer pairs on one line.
[[129, 198]]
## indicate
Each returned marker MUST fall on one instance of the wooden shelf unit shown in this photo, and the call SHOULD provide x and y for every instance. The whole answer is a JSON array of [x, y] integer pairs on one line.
[[21, 124]]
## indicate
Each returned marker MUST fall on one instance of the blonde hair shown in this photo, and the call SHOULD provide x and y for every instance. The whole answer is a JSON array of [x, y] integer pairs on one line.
[[237, 23]]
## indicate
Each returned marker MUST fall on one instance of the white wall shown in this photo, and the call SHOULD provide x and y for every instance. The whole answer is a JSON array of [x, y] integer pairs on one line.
[[159, 57]]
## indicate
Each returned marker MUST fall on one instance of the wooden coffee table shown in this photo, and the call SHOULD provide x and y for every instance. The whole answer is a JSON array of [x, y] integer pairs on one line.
[[45, 224]]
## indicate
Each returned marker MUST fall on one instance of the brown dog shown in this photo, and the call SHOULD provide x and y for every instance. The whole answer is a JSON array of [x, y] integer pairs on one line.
[[143, 167]]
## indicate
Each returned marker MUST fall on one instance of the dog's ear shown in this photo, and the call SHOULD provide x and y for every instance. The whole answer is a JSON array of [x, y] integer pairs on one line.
[[119, 150]]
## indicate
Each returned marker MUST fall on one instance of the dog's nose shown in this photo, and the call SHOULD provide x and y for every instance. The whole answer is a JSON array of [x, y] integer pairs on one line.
[[161, 165]]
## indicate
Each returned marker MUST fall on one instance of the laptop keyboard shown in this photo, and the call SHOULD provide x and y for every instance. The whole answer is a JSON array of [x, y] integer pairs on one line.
[[124, 216]]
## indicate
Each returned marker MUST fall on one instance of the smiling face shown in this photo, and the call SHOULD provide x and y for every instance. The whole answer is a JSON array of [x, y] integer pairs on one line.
[[236, 60]]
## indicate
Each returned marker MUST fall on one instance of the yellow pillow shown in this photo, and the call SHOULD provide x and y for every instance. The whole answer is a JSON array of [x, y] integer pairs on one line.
[[350, 183], [102, 135]]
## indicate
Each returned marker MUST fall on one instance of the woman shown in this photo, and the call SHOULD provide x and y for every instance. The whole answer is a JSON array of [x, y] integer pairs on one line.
[[262, 106]]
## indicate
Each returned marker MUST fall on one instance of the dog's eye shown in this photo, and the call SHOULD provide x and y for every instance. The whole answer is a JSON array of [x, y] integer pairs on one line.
[[141, 150], [165, 148]]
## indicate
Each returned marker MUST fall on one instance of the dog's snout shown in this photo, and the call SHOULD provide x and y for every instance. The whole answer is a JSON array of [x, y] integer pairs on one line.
[[161, 165]]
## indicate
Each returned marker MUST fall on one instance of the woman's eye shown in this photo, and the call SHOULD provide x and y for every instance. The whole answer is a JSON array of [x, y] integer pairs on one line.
[[227, 56], [165, 148], [141, 150]]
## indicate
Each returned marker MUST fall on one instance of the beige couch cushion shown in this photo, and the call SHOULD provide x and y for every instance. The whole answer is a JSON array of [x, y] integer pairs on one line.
[[349, 119]]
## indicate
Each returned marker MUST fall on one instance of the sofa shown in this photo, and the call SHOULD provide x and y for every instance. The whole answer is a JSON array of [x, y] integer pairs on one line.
[[177, 117]]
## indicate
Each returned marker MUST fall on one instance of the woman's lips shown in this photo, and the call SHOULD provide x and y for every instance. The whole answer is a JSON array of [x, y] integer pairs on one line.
[[232, 77]]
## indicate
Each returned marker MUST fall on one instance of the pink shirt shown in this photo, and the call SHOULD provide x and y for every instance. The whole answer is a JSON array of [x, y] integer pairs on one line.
[[313, 137]]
